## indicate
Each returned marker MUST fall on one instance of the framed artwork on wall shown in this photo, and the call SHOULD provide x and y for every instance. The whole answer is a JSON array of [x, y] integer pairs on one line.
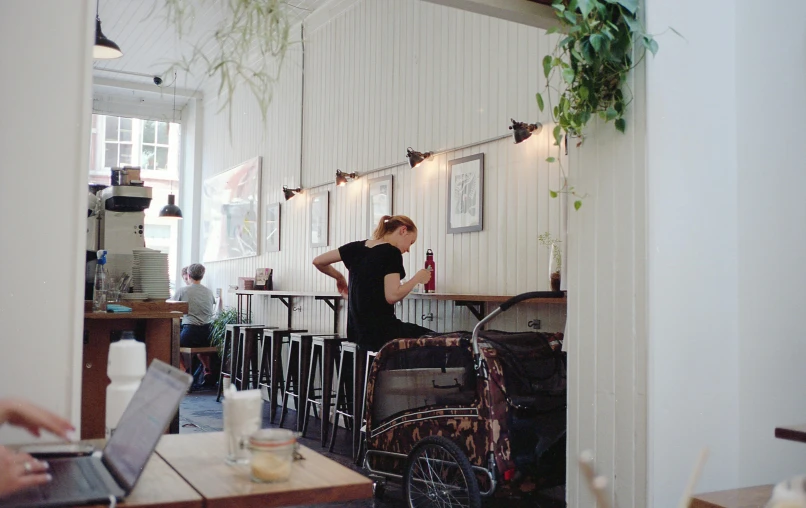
[[271, 228], [379, 201], [230, 210], [319, 218], [466, 194]]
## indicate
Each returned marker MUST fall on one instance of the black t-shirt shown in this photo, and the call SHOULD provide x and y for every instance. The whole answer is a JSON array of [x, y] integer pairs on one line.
[[369, 317]]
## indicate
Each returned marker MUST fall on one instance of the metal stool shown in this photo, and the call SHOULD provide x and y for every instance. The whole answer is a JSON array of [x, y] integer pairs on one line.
[[270, 366], [231, 336], [346, 402], [299, 353], [362, 396], [324, 349], [245, 375]]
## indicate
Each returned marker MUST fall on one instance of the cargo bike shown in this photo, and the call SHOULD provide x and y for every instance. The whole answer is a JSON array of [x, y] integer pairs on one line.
[[461, 416]]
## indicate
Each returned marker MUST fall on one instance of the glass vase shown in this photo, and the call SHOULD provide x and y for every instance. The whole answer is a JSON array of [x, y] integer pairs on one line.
[[555, 266]]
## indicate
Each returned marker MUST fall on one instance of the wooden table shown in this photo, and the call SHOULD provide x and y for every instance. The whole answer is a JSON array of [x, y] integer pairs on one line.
[[199, 459], [155, 323], [244, 302], [749, 497], [792, 433], [477, 303]]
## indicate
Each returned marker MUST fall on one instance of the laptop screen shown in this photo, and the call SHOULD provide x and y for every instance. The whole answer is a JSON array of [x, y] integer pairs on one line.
[[145, 419]]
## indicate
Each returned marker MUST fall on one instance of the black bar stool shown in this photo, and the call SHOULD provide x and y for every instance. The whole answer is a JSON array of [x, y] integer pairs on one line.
[[245, 375], [296, 375], [325, 350], [270, 366], [345, 401], [231, 339]]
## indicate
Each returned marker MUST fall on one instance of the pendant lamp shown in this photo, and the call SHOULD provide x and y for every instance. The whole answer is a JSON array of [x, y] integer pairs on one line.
[[104, 48], [171, 210]]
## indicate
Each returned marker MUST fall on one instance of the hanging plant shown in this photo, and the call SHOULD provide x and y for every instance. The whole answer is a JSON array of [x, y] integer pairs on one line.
[[247, 46], [593, 60]]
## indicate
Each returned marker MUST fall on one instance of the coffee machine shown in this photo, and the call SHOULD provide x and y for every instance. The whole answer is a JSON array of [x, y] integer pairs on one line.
[[118, 222]]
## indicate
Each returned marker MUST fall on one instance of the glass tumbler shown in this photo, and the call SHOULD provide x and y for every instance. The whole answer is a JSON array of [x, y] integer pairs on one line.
[[272, 454]]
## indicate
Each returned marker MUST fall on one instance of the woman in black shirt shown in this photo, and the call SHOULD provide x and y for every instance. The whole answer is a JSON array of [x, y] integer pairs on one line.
[[376, 270]]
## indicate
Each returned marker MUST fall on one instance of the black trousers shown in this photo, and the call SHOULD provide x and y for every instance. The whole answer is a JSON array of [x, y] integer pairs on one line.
[[195, 335]]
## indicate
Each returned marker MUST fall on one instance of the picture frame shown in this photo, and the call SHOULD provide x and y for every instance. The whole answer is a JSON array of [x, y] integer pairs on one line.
[[466, 194], [320, 218], [380, 200], [271, 228], [230, 220]]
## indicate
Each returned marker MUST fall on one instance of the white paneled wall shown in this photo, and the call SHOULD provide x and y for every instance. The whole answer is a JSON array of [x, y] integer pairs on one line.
[[380, 76]]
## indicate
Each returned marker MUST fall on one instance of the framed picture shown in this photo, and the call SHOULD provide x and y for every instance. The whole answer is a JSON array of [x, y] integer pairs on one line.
[[271, 228], [319, 218], [379, 200], [465, 194], [230, 209]]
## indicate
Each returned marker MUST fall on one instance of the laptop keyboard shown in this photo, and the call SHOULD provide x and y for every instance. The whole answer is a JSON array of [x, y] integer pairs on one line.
[[76, 476]]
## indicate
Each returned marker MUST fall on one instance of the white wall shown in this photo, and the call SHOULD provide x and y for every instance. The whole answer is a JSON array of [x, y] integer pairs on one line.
[[380, 76], [45, 147], [770, 108]]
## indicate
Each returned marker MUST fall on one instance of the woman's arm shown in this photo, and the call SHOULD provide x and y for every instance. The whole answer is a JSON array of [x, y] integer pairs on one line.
[[394, 291], [323, 263]]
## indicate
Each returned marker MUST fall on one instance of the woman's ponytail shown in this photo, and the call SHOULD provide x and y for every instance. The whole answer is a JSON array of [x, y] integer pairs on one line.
[[390, 223]]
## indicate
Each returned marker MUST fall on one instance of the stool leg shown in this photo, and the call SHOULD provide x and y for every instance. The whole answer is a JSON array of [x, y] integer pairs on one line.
[[305, 357], [226, 351], [328, 360], [246, 344], [275, 376], [316, 360], [340, 394], [358, 404], [291, 378], [235, 362]]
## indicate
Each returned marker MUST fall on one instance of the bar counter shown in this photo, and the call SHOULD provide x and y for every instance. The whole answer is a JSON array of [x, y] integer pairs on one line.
[[156, 323]]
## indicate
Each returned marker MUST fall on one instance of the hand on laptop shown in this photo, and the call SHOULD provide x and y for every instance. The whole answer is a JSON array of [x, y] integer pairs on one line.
[[19, 471], [33, 418]]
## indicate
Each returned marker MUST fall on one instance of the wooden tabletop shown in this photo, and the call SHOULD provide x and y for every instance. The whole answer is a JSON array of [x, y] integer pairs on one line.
[[199, 459], [792, 433], [140, 310], [322, 294], [551, 297], [749, 497]]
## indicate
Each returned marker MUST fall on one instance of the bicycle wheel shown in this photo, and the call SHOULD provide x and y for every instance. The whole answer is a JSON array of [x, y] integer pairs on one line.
[[438, 474]]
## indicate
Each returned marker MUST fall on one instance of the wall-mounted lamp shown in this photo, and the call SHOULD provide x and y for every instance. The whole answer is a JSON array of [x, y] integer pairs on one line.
[[103, 48], [522, 130], [416, 158], [342, 178], [171, 210], [290, 193]]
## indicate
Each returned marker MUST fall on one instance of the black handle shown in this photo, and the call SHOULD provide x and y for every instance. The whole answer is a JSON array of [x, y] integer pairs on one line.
[[528, 296], [448, 387]]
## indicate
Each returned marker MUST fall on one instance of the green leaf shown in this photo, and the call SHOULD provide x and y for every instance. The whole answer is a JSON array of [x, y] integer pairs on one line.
[[630, 5], [539, 101], [558, 6], [583, 93], [568, 75], [597, 40], [552, 30], [634, 24], [553, 193], [585, 7], [558, 135], [678, 34], [611, 113], [577, 204], [621, 125], [551, 159], [571, 17], [547, 60], [650, 44]]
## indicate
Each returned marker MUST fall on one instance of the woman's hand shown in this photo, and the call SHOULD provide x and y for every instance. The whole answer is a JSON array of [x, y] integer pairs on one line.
[[33, 418], [19, 471], [422, 276], [341, 285]]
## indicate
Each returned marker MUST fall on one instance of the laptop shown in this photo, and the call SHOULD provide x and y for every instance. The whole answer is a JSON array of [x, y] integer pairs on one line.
[[112, 473]]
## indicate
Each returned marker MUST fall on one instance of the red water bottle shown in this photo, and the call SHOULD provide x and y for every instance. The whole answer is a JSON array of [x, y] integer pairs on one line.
[[430, 286]]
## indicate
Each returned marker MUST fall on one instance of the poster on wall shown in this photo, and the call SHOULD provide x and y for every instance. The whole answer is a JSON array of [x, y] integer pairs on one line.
[[380, 200], [230, 210], [271, 228], [465, 194], [319, 218]]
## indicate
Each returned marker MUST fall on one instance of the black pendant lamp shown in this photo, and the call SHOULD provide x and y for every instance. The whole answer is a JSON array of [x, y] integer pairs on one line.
[[104, 48], [171, 210]]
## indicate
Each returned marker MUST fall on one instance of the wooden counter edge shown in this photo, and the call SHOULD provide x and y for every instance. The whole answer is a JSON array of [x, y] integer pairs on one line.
[[746, 497]]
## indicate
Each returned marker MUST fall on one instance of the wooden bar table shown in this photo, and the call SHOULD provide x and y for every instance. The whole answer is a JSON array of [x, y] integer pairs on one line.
[[199, 459], [477, 304], [748, 497], [155, 323]]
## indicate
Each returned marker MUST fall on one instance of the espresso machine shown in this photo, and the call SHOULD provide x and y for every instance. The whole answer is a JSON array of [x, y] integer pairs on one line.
[[116, 224]]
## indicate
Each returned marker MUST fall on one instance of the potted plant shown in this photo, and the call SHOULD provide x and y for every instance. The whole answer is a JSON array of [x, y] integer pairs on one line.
[[222, 318], [555, 259]]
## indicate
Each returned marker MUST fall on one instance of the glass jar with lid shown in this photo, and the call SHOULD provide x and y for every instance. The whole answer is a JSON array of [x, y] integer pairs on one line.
[[272, 454]]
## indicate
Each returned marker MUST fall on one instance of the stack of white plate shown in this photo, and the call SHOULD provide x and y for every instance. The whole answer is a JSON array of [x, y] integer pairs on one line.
[[150, 273], [134, 296]]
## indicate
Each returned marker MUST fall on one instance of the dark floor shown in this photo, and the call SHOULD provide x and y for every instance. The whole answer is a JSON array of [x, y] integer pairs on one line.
[[199, 412]]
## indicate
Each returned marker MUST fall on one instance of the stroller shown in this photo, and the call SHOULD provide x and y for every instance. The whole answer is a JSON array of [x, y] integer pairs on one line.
[[461, 416]]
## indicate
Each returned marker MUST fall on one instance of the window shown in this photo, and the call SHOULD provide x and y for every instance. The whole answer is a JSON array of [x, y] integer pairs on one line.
[[118, 142], [156, 147]]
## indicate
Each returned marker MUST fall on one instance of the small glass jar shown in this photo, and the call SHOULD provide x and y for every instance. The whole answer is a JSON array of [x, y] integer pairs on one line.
[[272, 454]]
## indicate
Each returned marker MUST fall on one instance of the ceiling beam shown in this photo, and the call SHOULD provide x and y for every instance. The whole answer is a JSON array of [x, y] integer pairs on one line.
[[518, 11], [140, 87]]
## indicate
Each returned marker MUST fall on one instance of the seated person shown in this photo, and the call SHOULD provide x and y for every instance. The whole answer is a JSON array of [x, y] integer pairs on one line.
[[196, 324], [19, 471]]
